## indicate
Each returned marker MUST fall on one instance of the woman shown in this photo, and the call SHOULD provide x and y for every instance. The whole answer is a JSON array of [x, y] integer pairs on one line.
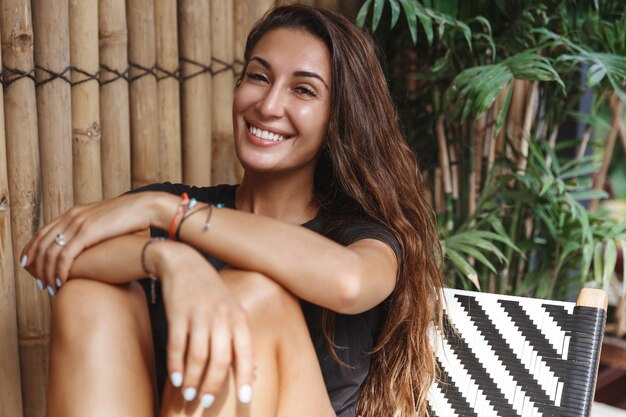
[[332, 277]]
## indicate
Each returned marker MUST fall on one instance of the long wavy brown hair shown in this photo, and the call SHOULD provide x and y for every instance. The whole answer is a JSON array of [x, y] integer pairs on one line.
[[366, 168]]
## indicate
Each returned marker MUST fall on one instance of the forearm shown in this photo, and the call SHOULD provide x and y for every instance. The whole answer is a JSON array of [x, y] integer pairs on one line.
[[116, 261], [309, 265]]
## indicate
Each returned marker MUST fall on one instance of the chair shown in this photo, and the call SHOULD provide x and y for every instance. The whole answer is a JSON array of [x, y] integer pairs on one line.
[[517, 357]]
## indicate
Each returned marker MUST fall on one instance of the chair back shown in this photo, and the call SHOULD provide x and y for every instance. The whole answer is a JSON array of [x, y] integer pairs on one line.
[[510, 356]]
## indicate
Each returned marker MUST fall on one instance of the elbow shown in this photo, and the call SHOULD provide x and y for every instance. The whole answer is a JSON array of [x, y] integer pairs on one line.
[[349, 288]]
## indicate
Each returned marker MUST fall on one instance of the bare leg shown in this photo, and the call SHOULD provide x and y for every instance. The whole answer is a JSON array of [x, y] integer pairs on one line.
[[288, 380], [101, 359]]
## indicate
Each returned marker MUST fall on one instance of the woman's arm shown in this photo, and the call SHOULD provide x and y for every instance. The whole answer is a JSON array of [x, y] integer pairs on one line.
[[200, 309], [344, 279], [116, 261]]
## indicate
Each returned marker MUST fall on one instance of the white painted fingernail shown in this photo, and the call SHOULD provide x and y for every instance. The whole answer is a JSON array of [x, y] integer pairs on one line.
[[23, 261], [207, 400], [58, 282], [40, 285], [189, 394], [245, 394], [51, 290], [177, 379]]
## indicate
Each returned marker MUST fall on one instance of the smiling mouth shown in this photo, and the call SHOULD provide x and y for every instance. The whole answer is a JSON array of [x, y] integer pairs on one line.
[[265, 134]]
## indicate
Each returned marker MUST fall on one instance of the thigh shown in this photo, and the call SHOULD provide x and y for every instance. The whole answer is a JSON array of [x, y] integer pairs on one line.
[[288, 377]]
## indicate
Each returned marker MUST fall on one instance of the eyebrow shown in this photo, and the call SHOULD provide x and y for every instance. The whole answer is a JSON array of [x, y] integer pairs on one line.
[[297, 73]]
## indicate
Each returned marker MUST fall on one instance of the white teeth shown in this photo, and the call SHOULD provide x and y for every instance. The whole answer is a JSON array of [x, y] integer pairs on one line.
[[265, 135]]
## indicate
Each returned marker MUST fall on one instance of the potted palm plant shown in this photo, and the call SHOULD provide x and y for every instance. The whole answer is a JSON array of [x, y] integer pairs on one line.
[[485, 89]]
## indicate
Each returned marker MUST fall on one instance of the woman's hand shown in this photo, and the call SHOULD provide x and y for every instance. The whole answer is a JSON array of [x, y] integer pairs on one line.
[[48, 256], [208, 330]]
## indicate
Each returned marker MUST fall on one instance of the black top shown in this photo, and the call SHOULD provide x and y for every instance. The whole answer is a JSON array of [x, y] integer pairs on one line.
[[354, 335]]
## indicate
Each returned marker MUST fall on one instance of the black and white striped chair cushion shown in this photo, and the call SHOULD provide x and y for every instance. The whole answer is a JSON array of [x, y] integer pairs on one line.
[[509, 356]]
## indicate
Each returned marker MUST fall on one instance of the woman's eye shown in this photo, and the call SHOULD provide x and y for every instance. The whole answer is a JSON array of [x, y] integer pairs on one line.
[[256, 76], [305, 91]]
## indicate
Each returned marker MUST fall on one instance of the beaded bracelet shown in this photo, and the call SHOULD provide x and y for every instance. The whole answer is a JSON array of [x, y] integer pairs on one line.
[[207, 222], [180, 210], [152, 277], [190, 213]]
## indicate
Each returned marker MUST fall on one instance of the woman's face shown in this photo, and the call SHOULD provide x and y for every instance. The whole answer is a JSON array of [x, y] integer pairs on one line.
[[282, 106]]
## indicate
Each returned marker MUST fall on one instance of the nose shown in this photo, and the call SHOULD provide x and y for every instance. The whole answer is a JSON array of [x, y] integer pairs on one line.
[[272, 103]]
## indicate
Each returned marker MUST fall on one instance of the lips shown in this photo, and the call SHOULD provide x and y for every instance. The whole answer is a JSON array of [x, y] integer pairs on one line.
[[266, 135]]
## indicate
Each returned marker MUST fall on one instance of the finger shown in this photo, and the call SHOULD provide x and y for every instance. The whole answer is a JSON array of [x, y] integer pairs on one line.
[[27, 256], [73, 247], [244, 360], [176, 345], [196, 358], [220, 358], [60, 223], [49, 267], [47, 249]]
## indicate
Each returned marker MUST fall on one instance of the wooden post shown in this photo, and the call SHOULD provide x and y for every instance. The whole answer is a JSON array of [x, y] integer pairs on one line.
[[85, 101], [224, 160], [114, 102], [10, 381], [143, 93], [54, 111], [195, 32], [168, 90], [24, 188]]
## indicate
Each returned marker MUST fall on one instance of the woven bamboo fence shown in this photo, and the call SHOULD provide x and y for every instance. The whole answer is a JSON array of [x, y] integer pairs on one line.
[[100, 96]]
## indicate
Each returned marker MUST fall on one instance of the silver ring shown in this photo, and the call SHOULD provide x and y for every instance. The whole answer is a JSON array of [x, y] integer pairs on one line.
[[59, 239]]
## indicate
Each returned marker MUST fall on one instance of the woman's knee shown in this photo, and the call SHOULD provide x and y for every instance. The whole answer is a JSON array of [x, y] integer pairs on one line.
[[262, 298], [86, 307]]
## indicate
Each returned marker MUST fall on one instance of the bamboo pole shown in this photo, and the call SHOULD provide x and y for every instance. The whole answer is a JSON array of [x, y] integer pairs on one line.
[[454, 169], [224, 159], [143, 93], [246, 12], [617, 112], [10, 381], [444, 162], [114, 100], [195, 32], [529, 117], [440, 199], [582, 147], [491, 143], [24, 188], [515, 115], [54, 104], [85, 101], [475, 178], [168, 90]]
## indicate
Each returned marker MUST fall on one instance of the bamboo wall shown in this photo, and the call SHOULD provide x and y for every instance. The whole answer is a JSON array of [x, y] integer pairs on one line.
[[100, 96]]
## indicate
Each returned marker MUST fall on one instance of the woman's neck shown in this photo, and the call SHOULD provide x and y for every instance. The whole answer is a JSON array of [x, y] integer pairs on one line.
[[284, 198]]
